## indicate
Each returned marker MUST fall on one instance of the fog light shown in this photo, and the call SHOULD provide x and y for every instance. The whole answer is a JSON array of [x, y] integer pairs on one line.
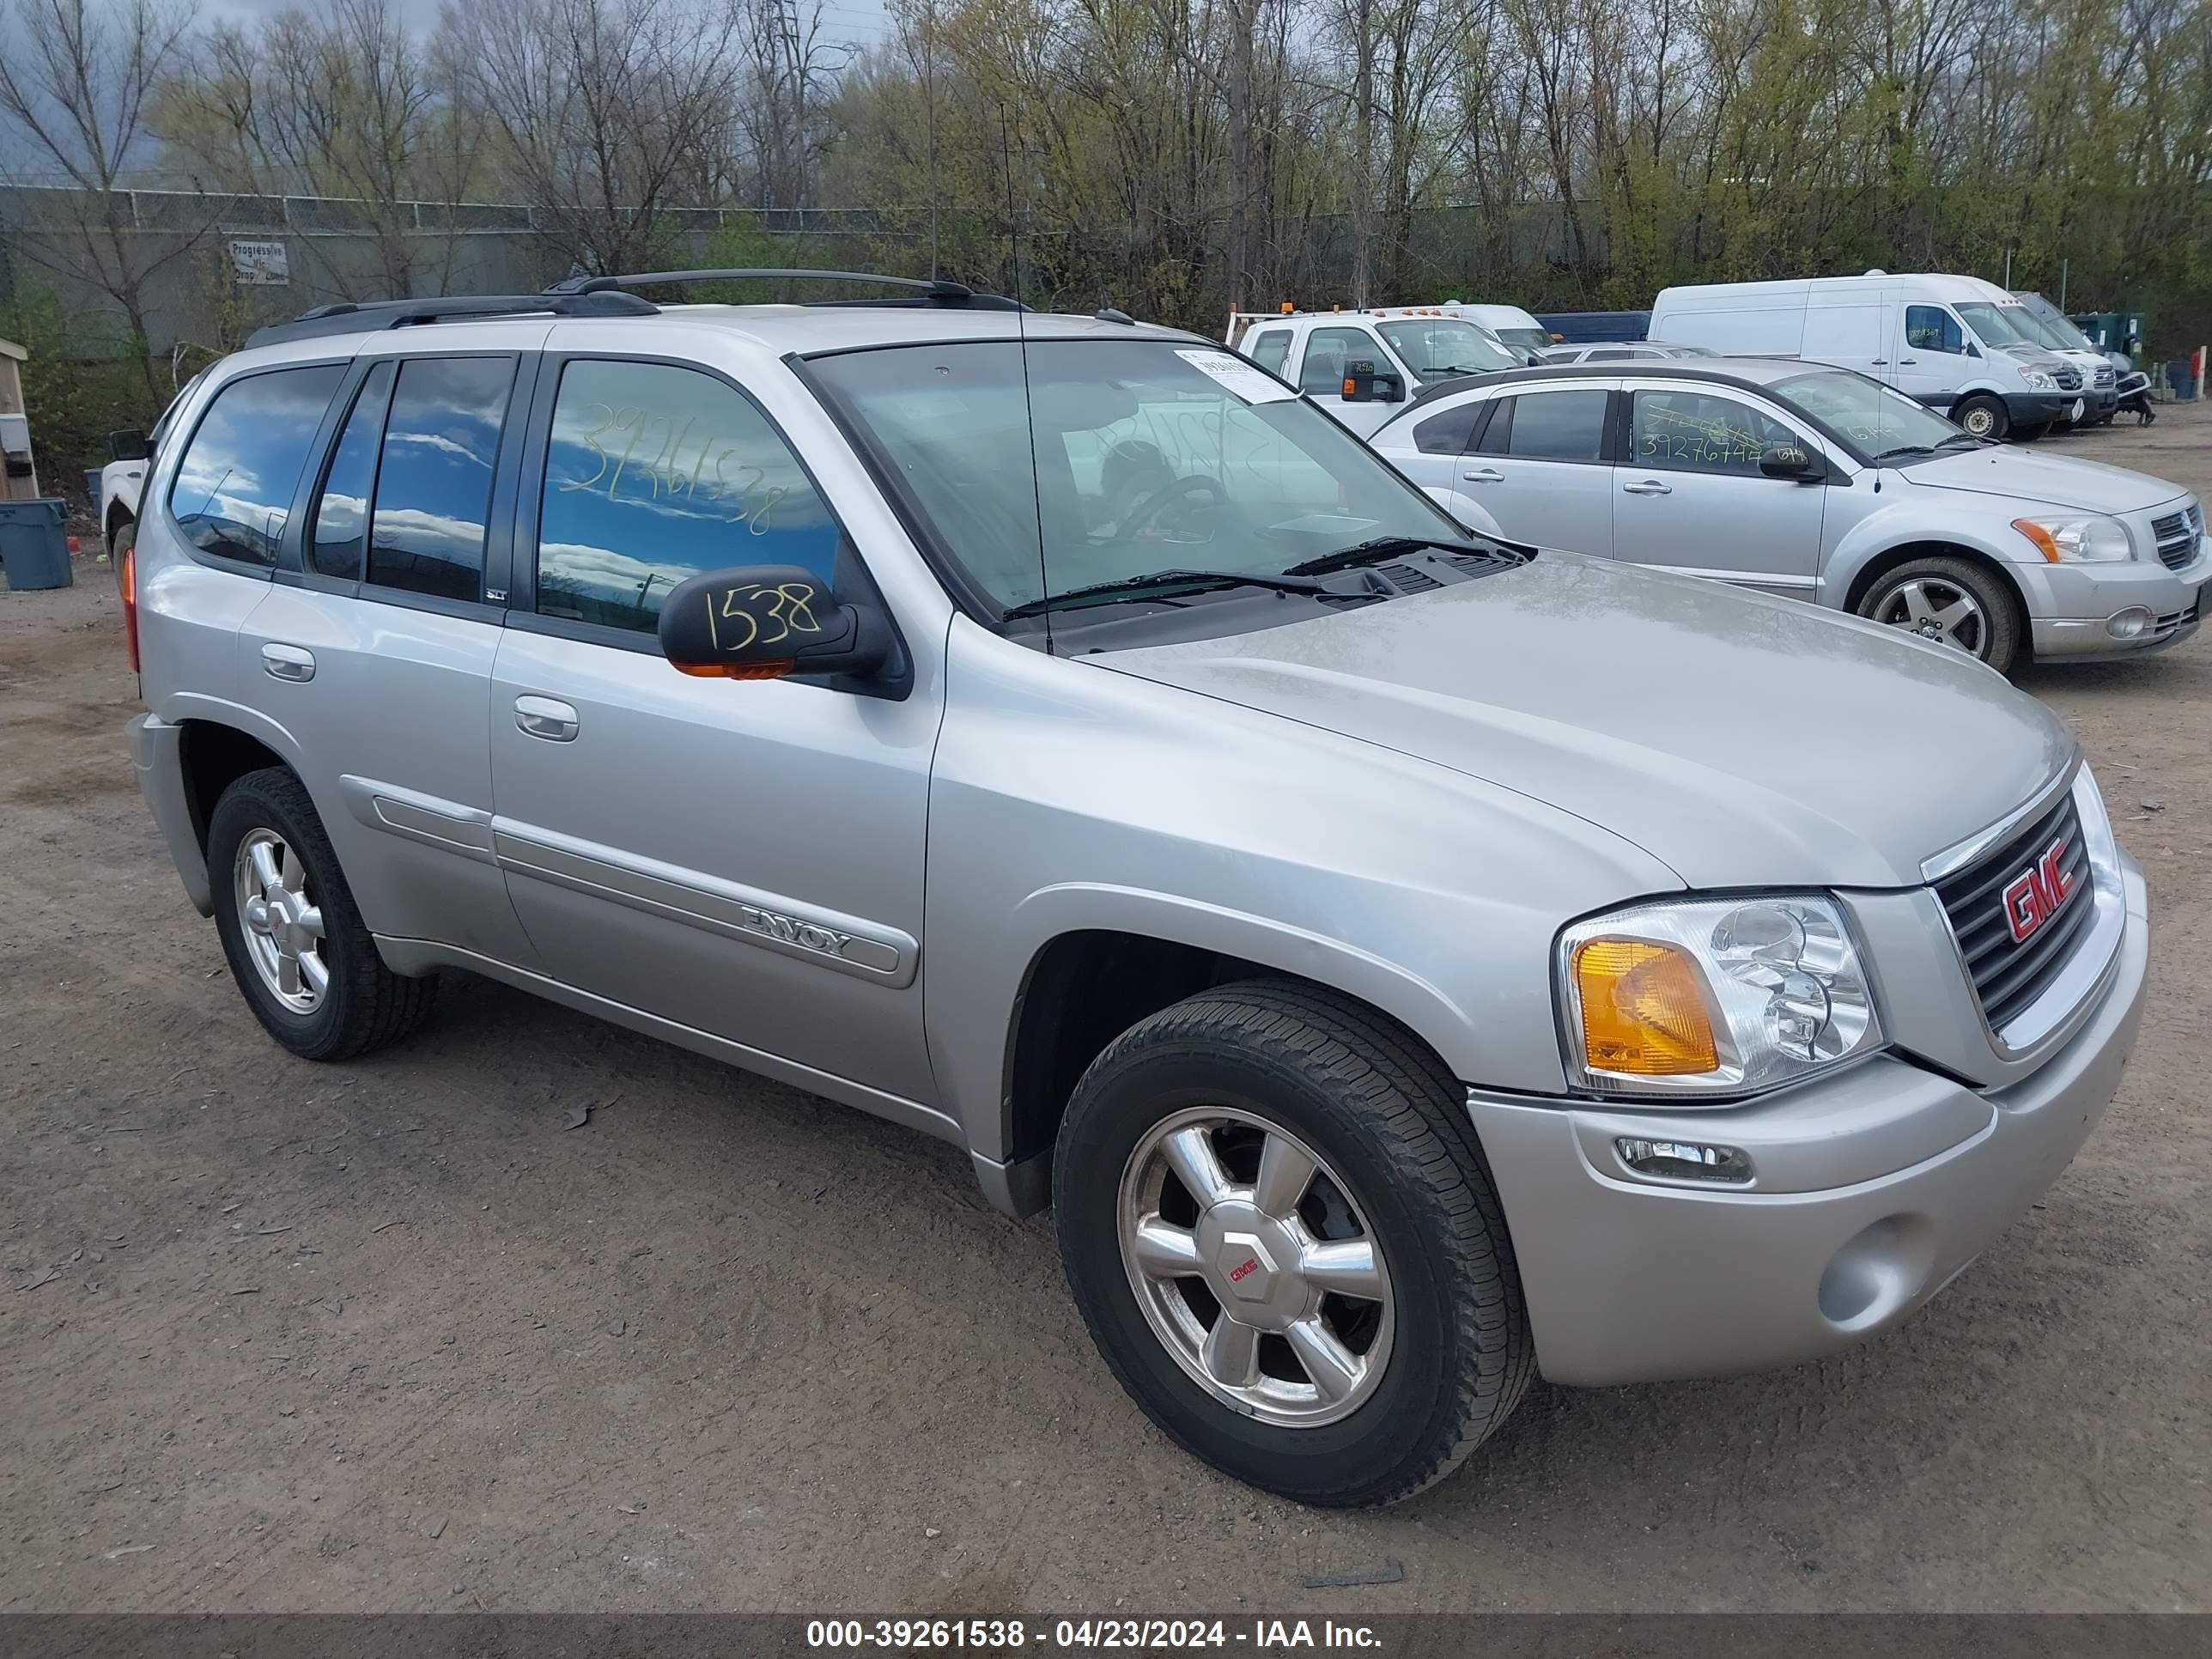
[[2131, 624], [1684, 1160]]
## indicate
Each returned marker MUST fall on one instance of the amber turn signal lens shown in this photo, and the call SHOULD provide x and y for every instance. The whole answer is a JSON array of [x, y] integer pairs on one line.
[[2045, 544], [1644, 1010], [736, 671]]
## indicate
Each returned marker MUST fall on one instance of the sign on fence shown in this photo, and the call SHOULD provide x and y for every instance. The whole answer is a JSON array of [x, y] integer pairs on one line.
[[261, 265]]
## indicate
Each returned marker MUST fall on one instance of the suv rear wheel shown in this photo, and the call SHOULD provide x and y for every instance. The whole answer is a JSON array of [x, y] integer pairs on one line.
[[1952, 602], [1279, 1229], [296, 944]]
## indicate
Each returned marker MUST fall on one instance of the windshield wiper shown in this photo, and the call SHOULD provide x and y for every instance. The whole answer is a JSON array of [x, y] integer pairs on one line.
[[1379, 550], [1902, 449], [1177, 582]]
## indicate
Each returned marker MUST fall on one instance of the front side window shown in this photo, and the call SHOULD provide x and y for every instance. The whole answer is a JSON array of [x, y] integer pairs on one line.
[[434, 481], [233, 492], [1550, 426], [1687, 431], [1438, 348], [1146, 457], [1931, 328], [656, 473], [1328, 351], [1270, 349]]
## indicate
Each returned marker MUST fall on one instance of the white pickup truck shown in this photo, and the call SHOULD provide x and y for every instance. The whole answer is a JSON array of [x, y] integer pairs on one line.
[[123, 480], [1405, 347]]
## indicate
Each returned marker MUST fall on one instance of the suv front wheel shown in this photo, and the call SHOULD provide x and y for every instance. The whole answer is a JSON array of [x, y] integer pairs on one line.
[[1279, 1228], [297, 946]]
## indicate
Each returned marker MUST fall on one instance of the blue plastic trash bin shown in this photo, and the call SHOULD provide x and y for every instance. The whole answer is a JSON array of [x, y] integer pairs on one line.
[[2181, 375], [34, 543]]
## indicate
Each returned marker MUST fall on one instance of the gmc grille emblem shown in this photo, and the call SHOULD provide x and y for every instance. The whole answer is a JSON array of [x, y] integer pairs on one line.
[[2033, 897]]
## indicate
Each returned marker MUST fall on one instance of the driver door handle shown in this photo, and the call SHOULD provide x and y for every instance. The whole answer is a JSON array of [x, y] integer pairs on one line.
[[288, 662], [1649, 487], [1484, 474], [542, 717], [1908, 363]]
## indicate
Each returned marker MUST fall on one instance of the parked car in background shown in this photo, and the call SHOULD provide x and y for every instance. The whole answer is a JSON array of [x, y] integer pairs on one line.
[[1956, 343], [124, 478], [1408, 348], [1406, 964], [2057, 332], [1623, 352], [1821, 484], [1587, 327]]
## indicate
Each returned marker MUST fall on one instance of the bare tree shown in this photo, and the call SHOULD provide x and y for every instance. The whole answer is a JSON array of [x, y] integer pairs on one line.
[[78, 87], [606, 113]]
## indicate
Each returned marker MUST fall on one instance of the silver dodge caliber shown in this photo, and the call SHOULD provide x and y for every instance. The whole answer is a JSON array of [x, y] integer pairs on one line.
[[1408, 964]]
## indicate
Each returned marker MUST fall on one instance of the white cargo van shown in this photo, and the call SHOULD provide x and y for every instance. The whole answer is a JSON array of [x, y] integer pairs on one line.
[[1956, 343]]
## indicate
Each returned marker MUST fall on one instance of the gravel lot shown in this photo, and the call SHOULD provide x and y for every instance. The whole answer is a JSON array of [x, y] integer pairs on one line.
[[392, 1336]]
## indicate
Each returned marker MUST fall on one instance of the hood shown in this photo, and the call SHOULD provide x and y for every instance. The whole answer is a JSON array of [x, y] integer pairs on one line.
[[1742, 741], [2053, 480]]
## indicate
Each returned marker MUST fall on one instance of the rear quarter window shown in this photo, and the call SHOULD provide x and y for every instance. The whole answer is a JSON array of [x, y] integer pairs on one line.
[[232, 495]]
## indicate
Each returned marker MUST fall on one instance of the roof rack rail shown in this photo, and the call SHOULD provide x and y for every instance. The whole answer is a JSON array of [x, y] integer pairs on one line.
[[929, 291], [370, 316]]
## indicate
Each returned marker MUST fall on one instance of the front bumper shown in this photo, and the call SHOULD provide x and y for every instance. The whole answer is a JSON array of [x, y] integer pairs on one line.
[[2070, 606], [1875, 1187], [2039, 407]]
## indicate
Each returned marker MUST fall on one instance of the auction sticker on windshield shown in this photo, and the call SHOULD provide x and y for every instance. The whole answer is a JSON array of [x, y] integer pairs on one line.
[[1240, 377]]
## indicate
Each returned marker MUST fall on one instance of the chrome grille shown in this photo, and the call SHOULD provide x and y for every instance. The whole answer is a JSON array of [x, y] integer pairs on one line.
[[2067, 375], [2177, 535], [2007, 976], [2105, 377]]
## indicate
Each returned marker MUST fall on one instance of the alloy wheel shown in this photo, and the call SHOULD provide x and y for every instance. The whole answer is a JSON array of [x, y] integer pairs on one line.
[[1255, 1266], [1932, 608], [283, 925]]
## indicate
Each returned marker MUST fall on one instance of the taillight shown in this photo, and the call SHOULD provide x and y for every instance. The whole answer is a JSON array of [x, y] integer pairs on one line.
[[131, 604]]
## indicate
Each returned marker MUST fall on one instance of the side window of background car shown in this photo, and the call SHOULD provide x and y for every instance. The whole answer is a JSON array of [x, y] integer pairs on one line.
[[1327, 350], [233, 491], [1931, 328], [425, 524], [339, 538], [1447, 432], [1550, 426], [655, 473], [1699, 432], [1270, 349]]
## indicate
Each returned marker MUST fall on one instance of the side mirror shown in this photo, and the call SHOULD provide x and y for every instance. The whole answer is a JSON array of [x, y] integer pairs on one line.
[[762, 621], [1793, 462], [1973, 350], [128, 447], [1364, 384]]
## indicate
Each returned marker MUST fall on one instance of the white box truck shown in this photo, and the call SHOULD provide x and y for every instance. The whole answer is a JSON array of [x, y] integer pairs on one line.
[[1957, 344]]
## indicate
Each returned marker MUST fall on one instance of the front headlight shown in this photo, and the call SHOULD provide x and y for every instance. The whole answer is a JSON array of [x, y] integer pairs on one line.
[[1712, 996], [2039, 380], [2079, 538]]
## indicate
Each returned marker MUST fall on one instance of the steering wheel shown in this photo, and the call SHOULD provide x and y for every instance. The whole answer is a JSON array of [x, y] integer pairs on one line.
[[1197, 484]]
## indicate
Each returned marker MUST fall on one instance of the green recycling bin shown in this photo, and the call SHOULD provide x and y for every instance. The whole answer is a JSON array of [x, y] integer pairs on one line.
[[34, 543]]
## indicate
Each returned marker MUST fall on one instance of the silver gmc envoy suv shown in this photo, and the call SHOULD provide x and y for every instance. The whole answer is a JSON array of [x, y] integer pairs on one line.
[[1407, 962]]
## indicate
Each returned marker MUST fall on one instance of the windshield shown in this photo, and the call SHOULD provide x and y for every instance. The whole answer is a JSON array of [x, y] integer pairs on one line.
[[2059, 334], [1525, 339], [1149, 456], [1998, 326], [1436, 349], [1883, 424]]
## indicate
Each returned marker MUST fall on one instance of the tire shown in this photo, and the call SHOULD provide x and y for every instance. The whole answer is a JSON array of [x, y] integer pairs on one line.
[[362, 1005], [124, 538], [1994, 639], [1982, 415], [1448, 1350]]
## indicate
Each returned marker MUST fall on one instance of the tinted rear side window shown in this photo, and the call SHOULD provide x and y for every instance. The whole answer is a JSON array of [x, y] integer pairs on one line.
[[434, 483], [1447, 433], [340, 535], [1558, 426], [233, 487]]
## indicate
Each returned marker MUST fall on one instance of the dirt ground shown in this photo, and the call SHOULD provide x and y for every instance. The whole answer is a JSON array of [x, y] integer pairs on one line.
[[391, 1335]]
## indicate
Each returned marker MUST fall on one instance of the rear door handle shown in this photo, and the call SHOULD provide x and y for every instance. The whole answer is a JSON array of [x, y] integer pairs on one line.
[[542, 717], [288, 662], [1484, 474], [1649, 487]]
